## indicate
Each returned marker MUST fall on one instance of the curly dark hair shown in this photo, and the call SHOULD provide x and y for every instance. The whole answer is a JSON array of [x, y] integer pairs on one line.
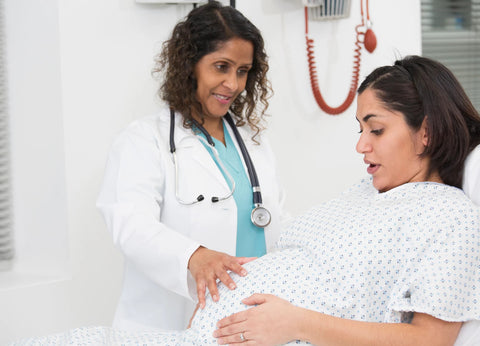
[[202, 32], [420, 88]]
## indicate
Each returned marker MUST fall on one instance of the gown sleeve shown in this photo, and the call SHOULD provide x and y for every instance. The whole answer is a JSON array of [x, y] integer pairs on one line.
[[442, 274]]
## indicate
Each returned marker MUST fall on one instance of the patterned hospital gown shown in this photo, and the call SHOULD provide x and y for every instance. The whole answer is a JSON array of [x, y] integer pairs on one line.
[[365, 256]]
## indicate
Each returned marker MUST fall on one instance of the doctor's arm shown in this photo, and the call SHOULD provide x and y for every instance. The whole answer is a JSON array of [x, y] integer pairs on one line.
[[274, 321], [131, 201]]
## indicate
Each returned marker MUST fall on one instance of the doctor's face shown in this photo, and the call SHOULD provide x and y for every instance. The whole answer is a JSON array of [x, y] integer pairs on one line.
[[391, 149], [222, 75]]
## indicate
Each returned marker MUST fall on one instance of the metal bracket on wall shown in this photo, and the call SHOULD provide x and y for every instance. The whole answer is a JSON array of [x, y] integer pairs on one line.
[[175, 2], [170, 2]]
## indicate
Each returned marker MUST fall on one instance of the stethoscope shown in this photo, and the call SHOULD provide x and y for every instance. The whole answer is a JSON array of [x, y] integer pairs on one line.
[[260, 216]]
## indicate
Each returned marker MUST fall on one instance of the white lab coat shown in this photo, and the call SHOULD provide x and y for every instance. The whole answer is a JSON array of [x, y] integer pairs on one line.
[[156, 233]]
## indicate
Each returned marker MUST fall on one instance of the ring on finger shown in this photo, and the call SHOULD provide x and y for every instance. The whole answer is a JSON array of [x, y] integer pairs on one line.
[[242, 337]]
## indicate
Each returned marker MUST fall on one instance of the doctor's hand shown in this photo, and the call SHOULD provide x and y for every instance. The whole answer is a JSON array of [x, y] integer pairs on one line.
[[272, 321], [207, 266]]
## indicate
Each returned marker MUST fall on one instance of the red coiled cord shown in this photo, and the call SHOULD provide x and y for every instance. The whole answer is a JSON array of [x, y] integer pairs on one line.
[[370, 43]]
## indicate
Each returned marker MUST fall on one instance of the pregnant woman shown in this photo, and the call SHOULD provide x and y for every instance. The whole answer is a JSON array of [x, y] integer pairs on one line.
[[394, 260]]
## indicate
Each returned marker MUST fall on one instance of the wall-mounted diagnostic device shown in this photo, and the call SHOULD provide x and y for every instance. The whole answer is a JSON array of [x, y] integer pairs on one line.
[[170, 1], [178, 2], [337, 9]]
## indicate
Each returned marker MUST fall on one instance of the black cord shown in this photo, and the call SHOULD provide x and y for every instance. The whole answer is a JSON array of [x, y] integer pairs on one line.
[[172, 129], [252, 174]]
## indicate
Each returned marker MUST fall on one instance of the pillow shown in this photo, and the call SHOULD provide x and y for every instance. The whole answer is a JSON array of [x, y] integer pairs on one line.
[[471, 176], [470, 332]]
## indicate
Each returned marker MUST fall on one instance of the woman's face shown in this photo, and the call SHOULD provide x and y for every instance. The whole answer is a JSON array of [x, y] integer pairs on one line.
[[222, 76], [390, 147]]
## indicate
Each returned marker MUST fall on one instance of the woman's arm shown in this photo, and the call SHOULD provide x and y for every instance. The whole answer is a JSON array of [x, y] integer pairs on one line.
[[131, 201], [275, 321]]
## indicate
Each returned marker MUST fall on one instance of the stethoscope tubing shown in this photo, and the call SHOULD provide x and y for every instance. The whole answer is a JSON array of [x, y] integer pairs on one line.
[[257, 194], [260, 216]]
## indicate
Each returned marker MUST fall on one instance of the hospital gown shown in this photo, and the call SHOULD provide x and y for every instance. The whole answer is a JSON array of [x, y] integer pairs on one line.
[[365, 256]]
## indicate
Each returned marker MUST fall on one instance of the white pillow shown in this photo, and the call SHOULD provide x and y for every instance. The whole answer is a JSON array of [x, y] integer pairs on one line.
[[470, 332], [471, 176]]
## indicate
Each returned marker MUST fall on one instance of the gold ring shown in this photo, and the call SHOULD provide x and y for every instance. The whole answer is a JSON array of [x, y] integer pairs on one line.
[[242, 337]]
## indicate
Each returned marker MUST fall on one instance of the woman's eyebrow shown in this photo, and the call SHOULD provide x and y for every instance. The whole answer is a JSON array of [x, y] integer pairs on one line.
[[366, 117], [233, 62]]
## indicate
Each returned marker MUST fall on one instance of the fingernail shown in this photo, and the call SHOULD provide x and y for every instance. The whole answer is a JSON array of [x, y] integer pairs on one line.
[[215, 297], [202, 305], [232, 286], [244, 272]]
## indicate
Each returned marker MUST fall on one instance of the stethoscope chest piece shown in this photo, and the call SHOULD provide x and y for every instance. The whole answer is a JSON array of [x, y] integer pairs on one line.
[[261, 217]]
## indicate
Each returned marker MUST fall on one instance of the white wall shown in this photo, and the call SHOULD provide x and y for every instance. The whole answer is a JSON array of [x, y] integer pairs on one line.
[[79, 71]]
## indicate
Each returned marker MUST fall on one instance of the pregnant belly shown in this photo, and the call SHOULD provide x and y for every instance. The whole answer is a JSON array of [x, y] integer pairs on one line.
[[288, 274]]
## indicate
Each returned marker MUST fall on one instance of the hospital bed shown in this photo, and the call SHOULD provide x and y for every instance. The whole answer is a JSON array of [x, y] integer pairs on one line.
[[469, 334]]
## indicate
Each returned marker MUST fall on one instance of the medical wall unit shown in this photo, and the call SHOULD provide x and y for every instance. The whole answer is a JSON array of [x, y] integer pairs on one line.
[[332, 10], [170, 1]]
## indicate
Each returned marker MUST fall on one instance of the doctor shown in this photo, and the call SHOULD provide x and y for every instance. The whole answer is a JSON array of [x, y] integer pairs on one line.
[[190, 193]]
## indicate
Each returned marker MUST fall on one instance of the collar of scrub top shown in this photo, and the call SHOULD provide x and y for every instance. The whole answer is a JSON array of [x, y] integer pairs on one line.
[[260, 216]]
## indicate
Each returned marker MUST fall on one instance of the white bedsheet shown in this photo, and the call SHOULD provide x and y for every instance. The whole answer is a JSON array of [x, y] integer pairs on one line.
[[469, 336]]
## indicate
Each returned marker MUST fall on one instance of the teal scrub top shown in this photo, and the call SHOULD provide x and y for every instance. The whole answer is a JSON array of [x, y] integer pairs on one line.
[[250, 238]]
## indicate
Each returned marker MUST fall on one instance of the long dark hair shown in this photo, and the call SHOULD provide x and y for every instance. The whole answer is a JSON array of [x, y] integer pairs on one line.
[[202, 32], [420, 87]]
